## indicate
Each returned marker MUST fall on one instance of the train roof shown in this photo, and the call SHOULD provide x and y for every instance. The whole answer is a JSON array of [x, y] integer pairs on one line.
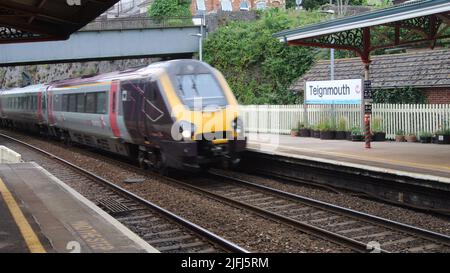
[[141, 71], [26, 89], [117, 75]]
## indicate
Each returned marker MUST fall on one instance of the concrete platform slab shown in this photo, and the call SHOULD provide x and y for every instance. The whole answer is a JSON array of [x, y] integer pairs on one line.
[[424, 161], [60, 218]]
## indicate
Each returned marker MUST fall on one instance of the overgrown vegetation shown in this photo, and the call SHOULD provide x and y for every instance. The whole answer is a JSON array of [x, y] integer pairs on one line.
[[314, 4], [258, 67], [170, 8], [399, 95]]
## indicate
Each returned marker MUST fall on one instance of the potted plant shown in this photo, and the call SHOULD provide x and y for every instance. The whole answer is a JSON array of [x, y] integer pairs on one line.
[[411, 137], [378, 134], [356, 134], [315, 132], [342, 126], [327, 130], [425, 137], [443, 136], [400, 136], [304, 131]]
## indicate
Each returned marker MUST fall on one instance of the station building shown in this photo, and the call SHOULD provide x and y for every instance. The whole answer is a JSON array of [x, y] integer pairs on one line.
[[426, 70]]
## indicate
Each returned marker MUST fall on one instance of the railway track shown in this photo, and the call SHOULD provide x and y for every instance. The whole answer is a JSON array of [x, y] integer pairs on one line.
[[360, 231], [340, 225], [162, 229]]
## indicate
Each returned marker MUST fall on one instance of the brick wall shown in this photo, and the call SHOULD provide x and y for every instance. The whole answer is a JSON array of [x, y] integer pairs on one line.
[[215, 5], [438, 95]]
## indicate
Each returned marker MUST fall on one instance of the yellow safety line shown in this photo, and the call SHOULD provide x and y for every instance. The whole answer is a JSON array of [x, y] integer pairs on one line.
[[395, 162], [31, 239]]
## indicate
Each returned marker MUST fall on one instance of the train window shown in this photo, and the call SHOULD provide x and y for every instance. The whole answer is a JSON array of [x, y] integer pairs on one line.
[[80, 103], [43, 103], [90, 102], [101, 103], [72, 103], [151, 91], [65, 103], [200, 89], [56, 105], [32, 103]]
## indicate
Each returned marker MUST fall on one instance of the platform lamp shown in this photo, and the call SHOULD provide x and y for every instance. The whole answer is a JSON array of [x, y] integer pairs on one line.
[[200, 45]]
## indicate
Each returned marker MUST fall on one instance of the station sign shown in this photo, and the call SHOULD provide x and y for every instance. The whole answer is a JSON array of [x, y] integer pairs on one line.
[[334, 92]]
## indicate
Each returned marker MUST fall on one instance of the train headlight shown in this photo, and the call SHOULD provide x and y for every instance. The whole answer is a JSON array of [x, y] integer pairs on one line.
[[238, 125], [186, 134]]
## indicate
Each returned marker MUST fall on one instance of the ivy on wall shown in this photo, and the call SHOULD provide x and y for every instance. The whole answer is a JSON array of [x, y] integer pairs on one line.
[[407, 95], [170, 8]]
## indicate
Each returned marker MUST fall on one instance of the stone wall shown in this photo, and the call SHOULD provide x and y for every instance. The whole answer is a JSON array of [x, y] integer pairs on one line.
[[16, 76]]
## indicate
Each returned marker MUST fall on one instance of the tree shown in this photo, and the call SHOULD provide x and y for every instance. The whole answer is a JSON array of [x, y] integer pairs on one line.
[[257, 66], [170, 8]]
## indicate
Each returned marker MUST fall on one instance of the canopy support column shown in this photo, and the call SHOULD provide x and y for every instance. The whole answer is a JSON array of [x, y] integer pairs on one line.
[[365, 101]]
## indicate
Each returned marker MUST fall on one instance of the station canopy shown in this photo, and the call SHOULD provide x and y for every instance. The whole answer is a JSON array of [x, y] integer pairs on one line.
[[45, 20], [417, 22]]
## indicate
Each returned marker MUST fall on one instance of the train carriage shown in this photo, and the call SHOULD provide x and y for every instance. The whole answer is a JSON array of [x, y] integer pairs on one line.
[[180, 114]]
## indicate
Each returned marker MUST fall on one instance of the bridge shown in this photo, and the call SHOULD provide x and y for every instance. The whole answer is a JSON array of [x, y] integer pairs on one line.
[[111, 39]]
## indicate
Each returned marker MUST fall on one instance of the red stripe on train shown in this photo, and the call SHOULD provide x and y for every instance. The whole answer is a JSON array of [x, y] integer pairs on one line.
[[113, 109]]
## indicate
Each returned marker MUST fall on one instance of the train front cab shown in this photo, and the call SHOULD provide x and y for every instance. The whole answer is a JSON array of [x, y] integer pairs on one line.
[[188, 117], [207, 128]]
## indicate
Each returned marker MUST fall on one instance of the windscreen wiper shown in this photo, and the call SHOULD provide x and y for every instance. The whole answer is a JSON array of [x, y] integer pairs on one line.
[[194, 86]]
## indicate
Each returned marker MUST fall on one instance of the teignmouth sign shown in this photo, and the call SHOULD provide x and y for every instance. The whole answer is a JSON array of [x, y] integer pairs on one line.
[[334, 92]]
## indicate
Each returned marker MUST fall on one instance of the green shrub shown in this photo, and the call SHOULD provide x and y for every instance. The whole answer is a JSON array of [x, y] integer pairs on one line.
[[399, 133], [170, 8], [259, 68], [327, 125], [342, 124], [425, 134], [356, 131], [377, 126]]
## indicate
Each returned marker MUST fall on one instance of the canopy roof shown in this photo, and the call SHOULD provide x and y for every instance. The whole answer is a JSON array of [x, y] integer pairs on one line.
[[43, 20], [419, 21]]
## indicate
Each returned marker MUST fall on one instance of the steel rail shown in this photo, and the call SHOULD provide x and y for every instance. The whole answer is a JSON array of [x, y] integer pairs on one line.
[[420, 232], [221, 242]]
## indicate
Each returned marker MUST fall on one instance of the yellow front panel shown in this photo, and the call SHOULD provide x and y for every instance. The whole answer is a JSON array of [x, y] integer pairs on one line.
[[205, 122]]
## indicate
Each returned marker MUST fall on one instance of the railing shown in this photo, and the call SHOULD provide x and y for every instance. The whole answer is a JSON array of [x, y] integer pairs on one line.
[[138, 23], [410, 118]]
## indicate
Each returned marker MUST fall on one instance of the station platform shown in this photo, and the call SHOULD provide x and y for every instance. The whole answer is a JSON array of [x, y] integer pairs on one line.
[[422, 161], [39, 214]]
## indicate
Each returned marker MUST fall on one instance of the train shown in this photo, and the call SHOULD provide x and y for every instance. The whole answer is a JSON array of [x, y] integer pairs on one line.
[[178, 114]]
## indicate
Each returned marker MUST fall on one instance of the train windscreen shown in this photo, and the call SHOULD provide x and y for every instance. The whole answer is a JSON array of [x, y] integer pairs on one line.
[[200, 90]]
